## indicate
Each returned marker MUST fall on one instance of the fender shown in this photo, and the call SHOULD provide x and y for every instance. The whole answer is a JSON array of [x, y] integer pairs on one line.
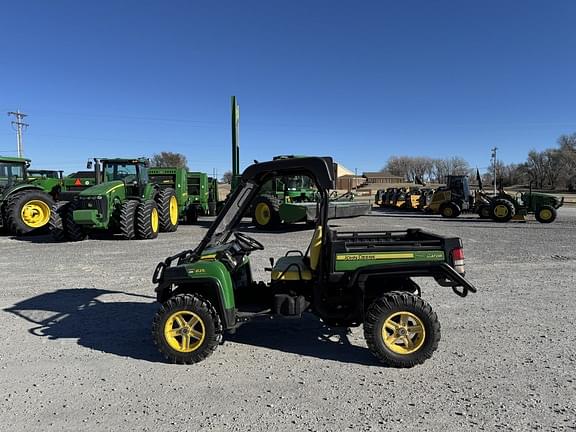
[[187, 279], [442, 272], [21, 187]]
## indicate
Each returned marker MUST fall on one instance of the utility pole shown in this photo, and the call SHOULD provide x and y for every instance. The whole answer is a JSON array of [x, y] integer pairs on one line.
[[20, 125], [494, 167]]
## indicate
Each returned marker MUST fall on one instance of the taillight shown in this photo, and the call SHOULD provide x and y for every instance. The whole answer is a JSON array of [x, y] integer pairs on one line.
[[458, 259]]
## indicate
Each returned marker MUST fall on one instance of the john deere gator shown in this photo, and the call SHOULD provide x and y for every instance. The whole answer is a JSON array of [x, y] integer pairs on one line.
[[124, 201], [344, 278], [25, 205]]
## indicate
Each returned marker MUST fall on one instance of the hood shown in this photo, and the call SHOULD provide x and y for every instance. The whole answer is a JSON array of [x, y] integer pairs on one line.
[[102, 189]]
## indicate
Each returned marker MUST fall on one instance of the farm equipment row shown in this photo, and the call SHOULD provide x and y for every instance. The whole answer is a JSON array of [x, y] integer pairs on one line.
[[456, 198], [122, 196]]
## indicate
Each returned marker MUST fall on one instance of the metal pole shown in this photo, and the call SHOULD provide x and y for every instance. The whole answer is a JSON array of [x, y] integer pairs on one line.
[[20, 125], [494, 167]]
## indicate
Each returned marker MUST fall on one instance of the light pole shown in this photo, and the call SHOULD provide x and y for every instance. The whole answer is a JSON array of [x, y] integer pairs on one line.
[[494, 167]]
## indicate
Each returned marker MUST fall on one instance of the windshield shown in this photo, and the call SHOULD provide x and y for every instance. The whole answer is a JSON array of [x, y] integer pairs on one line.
[[299, 182], [124, 172], [230, 215], [44, 174], [10, 172]]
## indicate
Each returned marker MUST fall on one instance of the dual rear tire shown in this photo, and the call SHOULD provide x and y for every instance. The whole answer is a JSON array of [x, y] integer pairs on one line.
[[139, 220]]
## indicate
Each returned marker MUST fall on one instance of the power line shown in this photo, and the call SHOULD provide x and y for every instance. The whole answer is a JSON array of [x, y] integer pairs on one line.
[[20, 125]]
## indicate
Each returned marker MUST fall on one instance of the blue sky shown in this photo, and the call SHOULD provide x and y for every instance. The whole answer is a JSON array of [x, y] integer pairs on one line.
[[360, 81]]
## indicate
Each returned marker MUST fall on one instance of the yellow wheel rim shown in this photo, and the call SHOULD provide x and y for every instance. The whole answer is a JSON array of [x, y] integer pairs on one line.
[[173, 210], [545, 214], [501, 211], [35, 213], [403, 333], [184, 331], [262, 214], [448, 211], [154, 220]]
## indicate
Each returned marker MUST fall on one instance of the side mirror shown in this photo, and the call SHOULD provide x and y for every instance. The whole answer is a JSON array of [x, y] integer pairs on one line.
[[89, 165]]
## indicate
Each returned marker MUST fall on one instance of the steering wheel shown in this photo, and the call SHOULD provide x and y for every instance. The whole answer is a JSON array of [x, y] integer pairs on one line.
[[248, 243]]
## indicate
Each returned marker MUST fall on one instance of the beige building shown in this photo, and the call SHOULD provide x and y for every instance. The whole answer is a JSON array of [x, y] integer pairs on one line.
[[381, 178]]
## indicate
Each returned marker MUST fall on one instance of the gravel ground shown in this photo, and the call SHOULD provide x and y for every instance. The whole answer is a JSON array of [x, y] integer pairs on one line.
[[77, 352]]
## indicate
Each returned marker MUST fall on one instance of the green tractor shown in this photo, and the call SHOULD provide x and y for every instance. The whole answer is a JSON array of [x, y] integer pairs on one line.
[[344, 278], [455, 198], [288, 199], [51, 181], [123, 201], [25, 204], [505, 207], [194, 191]]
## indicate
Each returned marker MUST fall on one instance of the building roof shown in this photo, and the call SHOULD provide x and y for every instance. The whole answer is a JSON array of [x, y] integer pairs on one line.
[[380, 175]]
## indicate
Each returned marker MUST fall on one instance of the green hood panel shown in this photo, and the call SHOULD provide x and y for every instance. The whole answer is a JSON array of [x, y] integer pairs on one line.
[[211, 269], [103, 188]]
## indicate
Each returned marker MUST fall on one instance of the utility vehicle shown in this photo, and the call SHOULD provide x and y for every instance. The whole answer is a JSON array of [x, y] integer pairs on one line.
[[345, 278]]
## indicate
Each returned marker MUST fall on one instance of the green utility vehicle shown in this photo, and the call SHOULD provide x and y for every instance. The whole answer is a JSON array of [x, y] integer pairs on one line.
[[194, 192], [123, 201], [345, 278], [25, 205]]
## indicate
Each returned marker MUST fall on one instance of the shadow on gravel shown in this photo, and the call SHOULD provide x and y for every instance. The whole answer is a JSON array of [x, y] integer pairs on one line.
[[307, 336], [117, 327]]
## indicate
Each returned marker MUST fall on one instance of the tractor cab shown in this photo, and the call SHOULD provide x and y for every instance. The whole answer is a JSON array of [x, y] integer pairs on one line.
[[132, 172], [13, 171]]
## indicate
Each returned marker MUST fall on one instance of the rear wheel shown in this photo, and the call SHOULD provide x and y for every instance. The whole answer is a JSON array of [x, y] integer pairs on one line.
[[546, 214], [147, 220], [450, 210], [401, 329], [128, 219], [167, 210], [502, 210], [28, 211], [265, 215], [186, 329]]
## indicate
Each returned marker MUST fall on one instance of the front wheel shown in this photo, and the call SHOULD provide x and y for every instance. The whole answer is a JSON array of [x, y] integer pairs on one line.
[[546, 214], [401, 329], [187, 329], [450, 210]]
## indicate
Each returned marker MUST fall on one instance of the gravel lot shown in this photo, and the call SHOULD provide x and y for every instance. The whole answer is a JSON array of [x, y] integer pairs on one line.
[[77, 352]]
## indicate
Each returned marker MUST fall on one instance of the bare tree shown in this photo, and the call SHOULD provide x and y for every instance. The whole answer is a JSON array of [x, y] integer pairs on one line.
[[169, 159], [227, 177]]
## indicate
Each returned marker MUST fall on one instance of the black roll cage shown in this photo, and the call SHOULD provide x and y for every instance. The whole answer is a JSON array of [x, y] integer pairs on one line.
[[319, 169]]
